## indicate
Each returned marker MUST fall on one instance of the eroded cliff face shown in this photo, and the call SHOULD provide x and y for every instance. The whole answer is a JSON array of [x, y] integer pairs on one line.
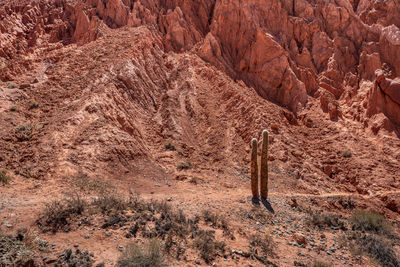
[[162, 98], [286, 50]]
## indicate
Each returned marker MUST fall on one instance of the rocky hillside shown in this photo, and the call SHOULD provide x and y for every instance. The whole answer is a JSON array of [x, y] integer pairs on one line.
[[162, 98]]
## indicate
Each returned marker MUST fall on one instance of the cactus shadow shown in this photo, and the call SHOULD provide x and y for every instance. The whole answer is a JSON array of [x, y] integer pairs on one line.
[[268, 205]]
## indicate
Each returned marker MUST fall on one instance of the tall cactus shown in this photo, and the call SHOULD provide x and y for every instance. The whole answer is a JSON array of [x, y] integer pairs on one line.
[[264, 165], [254, 168]]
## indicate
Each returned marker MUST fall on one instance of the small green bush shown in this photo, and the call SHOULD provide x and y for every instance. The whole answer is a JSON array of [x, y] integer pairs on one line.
[[33, 104], [185, 165], [11, 85], [13, 108], [347, 154], [149, 256], [370, 221], [4, 178], [169, 146]]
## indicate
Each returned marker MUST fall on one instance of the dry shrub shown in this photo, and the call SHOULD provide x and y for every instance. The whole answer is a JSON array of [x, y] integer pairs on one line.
[[370, 221], [24, 132], [265, 243], [108, 203], [58, 214], [380, 249], [320, 264], [185, 165], [323, 220], [4, 178], [207, 245], [148, 256]]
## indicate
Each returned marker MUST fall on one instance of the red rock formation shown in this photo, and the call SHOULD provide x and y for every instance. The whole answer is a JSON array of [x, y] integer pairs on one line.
[[285, 50], [385, 97]]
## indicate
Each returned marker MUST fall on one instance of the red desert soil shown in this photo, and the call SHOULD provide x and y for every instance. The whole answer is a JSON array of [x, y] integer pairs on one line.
[[162, 99]]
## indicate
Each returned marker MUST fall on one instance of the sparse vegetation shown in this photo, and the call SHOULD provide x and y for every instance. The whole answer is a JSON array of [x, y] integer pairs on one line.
[[207, 245], [372, 234], [265, 243], [217, 221], [77, 258], [33, 104], [185, 165], [320, 264], [58, 214], [13, 108], [323, 220], [108, 203], [379, 249], [299, 264], [11, 85], [24, 132], [4, 178], [169, 146], [370, 221], [14, 251], [148, 219], [87, 184], [148, 256], [347, 154], [195, 180], [259, 214], [210, 217], [313, 264], [347, 203]]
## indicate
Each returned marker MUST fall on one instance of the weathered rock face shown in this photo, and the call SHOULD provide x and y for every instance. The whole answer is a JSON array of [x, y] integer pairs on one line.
[[389, 47], [385, 97], [252, 53], [286, 50]]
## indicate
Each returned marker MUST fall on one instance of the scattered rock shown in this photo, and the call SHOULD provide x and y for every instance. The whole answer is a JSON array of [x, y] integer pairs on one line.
[[300, 239]]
